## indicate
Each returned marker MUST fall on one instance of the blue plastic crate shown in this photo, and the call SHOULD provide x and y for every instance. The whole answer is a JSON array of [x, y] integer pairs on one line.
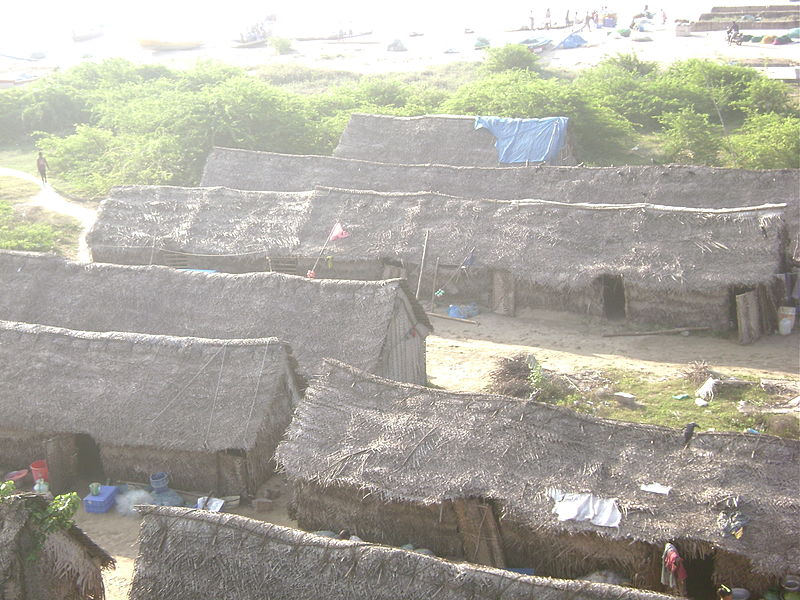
[[102, 502]]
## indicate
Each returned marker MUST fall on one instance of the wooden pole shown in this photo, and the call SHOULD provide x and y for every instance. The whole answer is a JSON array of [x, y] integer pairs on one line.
[[657, 332], [449, 318], [422, 262], [433, 291]]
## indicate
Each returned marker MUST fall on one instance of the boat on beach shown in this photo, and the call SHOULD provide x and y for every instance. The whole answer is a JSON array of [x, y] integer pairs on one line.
[[168, 46], [86, 34], [251, 43], [331, 38], [17, 80]]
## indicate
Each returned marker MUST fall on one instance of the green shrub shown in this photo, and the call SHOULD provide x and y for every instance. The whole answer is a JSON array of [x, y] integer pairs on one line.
[[690, 138], [599, 134], [769, 141], [508, 57], [281, 45]]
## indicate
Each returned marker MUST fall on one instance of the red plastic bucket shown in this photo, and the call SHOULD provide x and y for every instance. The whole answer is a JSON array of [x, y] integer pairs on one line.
[[39, 470]]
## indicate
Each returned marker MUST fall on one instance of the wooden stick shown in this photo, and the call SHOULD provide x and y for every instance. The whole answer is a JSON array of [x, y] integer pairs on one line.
[[657, 332], [433, 291], [422, 262], [438, 316]]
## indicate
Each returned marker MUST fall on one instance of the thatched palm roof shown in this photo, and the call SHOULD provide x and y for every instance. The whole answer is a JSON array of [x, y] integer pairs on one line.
[[429, 139], [199, 220], [319, 318], [407, 443], [552, 244], [246, 559], [129, 389], [672, 185], [559, 245], [66, 555]]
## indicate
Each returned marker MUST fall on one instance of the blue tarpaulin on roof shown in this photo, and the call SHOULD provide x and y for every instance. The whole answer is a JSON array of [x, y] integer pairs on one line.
[[526, 140]]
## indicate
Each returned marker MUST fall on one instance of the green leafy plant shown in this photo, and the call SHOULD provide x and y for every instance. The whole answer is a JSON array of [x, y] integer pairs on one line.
[[508, 57], [281, 45], [44, 519]]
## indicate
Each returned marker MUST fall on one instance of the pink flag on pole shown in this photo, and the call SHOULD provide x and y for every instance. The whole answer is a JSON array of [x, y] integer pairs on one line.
[[337, 233]]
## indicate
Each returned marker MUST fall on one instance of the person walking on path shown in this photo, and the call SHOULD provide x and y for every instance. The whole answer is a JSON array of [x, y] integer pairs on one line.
[[41, 164]]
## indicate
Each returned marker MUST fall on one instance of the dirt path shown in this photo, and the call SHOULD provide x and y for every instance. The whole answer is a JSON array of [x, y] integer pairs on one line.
[[49, 199], [460, 356]]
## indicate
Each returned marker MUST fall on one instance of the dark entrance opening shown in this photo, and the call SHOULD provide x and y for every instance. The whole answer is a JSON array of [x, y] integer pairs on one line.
[[613, 296], [89, 464], [699, 583]]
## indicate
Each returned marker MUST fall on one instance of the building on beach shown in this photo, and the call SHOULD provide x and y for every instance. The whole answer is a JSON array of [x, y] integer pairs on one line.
[[478, 476], [377, 325], [243, 558], [124, 406]]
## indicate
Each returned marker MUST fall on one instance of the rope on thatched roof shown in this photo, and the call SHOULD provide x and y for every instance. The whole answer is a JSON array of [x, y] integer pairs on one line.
[[354, 430], [319, 318], [243, 557], [60, 380], [559, 245]]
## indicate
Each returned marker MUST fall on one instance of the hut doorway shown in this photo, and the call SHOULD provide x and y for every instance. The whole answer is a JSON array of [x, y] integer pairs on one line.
[[613, 296], [480, 532], [699, 583], [90, 466]]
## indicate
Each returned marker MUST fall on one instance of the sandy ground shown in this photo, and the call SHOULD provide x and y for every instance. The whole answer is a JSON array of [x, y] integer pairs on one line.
[[461, 355], [369, 54], [118, 535]]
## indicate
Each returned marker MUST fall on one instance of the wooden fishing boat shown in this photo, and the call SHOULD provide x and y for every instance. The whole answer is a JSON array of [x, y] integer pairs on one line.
[[17, 80], [251, 43], [334, 37], [84, 35], [167, 46]]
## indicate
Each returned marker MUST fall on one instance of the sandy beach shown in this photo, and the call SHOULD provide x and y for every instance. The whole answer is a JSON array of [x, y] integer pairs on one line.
[[369, 55]]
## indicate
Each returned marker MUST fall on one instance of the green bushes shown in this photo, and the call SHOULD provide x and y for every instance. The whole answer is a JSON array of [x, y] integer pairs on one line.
[[511, 56], [116, 123], [599, 135], [16, 234]]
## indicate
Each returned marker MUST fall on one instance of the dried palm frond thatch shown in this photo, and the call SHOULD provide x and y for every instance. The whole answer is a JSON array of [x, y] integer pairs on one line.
[[319, 318], [128, 389], [190, 554], [68, 566], [407, 444]]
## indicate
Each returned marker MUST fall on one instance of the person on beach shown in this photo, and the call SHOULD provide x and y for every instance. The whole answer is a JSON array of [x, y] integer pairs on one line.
[[42, 166], [547, 19]]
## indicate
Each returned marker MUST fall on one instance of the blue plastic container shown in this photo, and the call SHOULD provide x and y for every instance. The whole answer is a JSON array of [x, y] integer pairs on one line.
[[159, 481], [102, 502]]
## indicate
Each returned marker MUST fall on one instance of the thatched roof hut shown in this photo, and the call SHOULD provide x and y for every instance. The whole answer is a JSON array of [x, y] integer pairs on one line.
[[395, 463], [195, 223], [671, 185], [246, 559], [365, 322], [67, 567], [152, 403], [428, 139], [648, 263]]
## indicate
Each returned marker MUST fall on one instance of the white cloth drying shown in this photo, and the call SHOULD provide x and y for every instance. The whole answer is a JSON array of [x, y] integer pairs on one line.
[[586, 507]]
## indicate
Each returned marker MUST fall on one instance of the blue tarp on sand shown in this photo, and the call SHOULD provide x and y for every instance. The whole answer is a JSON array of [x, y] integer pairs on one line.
[[573, 40], [526, 140]]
